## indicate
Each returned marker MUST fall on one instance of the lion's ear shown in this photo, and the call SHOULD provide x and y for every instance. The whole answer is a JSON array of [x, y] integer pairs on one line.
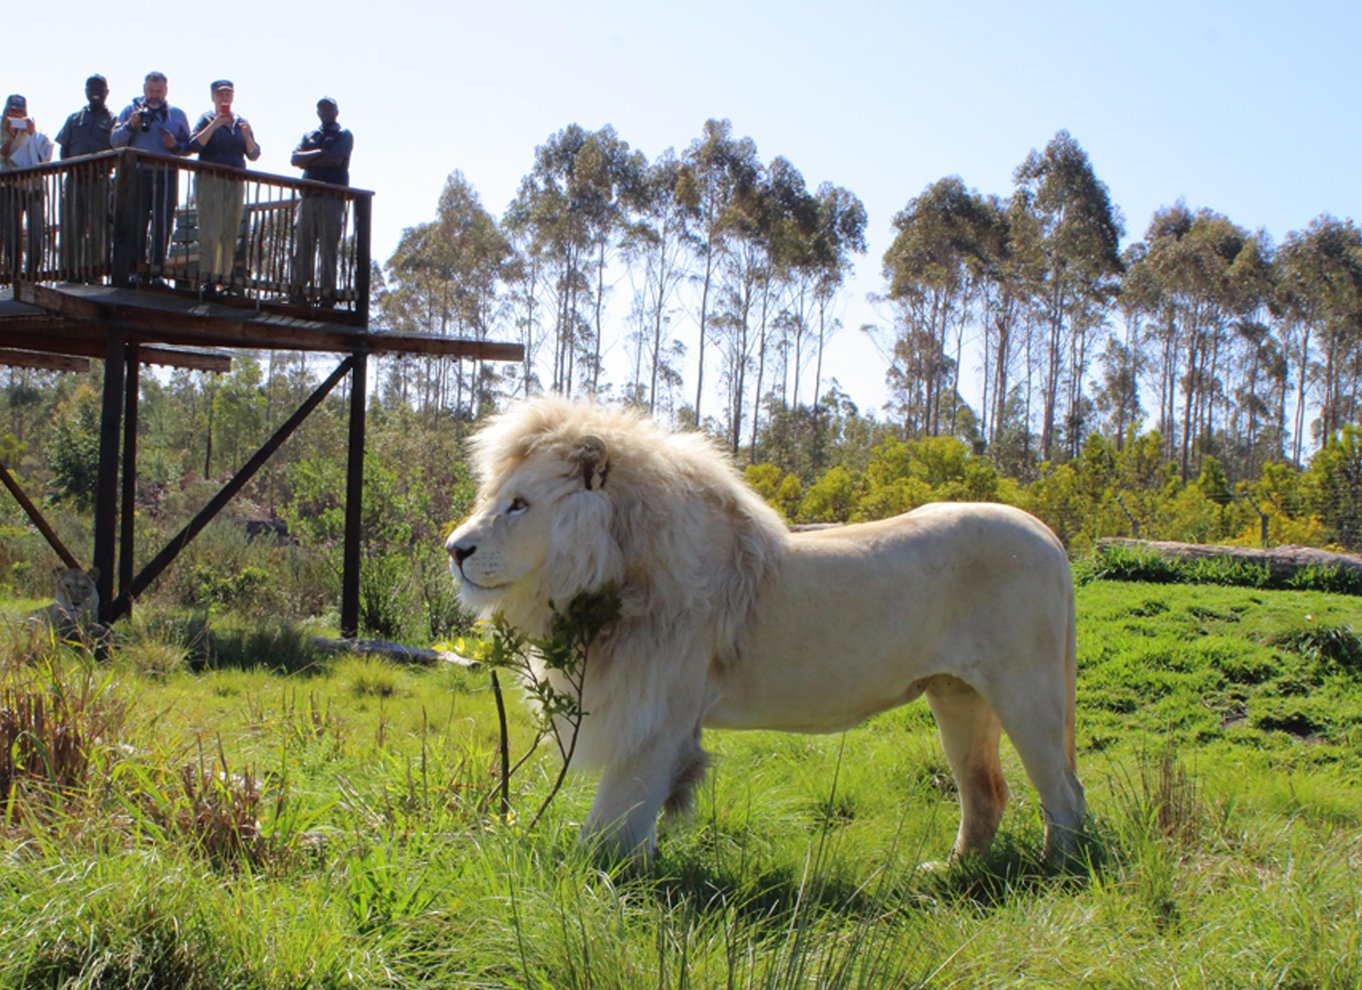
[[590, 458]]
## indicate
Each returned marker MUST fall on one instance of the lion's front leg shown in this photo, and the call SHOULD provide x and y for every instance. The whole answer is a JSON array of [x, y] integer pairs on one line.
[[633, 790]]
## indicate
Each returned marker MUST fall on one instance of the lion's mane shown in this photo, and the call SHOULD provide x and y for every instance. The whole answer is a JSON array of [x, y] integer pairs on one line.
[[667, 518]]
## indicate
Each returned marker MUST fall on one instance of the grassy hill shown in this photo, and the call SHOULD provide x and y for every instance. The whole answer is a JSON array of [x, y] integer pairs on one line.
[[223, 809]]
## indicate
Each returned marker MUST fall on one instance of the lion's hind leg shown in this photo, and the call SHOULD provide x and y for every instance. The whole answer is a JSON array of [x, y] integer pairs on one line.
[[1040, 727], [969, 731]]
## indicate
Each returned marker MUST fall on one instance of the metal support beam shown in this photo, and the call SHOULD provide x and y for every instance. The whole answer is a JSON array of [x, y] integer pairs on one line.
[[128, 502], [36, 517], [123, 605], [106, 485], [354, 498]]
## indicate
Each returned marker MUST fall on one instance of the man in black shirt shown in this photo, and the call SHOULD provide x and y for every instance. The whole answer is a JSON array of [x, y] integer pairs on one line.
[[85, 202], [324, 156]]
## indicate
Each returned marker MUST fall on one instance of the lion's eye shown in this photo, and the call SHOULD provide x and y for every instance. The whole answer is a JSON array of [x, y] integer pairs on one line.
[[517, 505]]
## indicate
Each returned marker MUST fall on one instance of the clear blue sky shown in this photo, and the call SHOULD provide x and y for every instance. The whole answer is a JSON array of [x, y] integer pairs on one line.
[[1250, 109]]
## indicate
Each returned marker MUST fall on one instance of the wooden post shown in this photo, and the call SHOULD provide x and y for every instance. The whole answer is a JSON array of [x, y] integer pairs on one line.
[[125, 237], [128, 502], [354, 499], [106, 485], [363, 207]]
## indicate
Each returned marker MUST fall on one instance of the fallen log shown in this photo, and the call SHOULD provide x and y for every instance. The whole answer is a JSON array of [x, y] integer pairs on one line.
[[396, 652], [1281, 562]]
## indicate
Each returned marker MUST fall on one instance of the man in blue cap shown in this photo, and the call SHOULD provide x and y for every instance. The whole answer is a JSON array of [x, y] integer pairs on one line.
[[324, 156]]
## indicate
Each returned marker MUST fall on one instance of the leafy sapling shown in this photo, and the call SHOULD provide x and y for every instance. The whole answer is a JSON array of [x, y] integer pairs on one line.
[[565, 651]]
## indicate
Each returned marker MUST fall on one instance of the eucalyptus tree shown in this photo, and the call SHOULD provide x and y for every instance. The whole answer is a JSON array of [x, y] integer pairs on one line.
[[1320, 298], [1118, 393], [529, 282], [445, 278], [555, 212], [1079, 232], [840, 233], [658, 243], [1258, 415], [1196, 276], [609, 185], [1004, 269], [720, 175], [575, 205], [927, 268]]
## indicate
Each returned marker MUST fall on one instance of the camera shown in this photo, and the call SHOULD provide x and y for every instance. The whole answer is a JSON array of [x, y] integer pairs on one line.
[[145, 114]]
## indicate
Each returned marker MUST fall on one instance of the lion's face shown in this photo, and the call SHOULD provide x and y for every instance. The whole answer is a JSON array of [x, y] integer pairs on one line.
[[76, 591], [540, 534]]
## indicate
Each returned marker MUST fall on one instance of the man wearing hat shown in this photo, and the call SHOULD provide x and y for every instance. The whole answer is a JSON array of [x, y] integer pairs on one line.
[[324, 156], [85, 204], [221, 138], [22, 146]]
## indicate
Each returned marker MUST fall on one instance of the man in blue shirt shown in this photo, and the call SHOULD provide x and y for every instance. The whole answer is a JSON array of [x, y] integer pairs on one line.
[[85, 203], [324, 156], [152, 125]]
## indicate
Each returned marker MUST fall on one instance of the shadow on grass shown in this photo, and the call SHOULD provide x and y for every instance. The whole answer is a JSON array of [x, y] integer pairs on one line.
[[232, 643], [772, 895]]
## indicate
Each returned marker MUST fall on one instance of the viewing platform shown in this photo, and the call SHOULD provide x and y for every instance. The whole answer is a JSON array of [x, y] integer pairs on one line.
[[79, 249], [101, 257]]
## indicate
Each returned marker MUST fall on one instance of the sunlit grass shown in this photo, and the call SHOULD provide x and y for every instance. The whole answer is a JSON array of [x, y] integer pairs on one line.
[[332, 823]]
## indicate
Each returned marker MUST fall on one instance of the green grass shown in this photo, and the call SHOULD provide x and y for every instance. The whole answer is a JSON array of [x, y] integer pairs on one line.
[[241, 816]]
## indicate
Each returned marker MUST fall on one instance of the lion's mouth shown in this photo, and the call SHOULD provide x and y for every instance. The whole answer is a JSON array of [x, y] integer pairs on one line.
[[465, 580]]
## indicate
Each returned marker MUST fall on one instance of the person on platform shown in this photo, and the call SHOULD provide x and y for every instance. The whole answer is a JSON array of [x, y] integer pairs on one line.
[[152, 125], [22, 146], [324, 156], [84, 235], [223, 138]]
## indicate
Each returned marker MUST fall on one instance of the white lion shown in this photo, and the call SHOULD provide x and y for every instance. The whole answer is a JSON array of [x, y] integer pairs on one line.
[[730, 621], [76, 609]]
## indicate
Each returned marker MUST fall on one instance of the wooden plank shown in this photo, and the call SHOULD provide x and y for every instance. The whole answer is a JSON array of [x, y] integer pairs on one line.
[[170, 357], [83, 340], [166, 318], [47, 362]]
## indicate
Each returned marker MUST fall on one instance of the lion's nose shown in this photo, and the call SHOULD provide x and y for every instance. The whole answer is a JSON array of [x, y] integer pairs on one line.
[[461, 552]]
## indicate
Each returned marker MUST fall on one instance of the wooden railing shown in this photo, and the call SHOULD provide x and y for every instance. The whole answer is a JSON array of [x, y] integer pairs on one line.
[[129, 218]]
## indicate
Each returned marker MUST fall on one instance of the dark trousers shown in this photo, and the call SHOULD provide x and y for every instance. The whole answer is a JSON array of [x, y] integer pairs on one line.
[[320, 221], [18, 204], [85, 222], [158, 190]]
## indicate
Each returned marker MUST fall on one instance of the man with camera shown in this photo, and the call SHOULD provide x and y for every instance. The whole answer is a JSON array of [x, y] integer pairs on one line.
[[152, 125], [221, 137], [324, 156], [85, 205], [22, 146]]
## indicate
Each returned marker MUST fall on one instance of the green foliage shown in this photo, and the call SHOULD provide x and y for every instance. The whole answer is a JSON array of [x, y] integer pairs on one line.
[[75, 453], [1115, 562], [829, 499], [552, 670], [1336, 472]]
